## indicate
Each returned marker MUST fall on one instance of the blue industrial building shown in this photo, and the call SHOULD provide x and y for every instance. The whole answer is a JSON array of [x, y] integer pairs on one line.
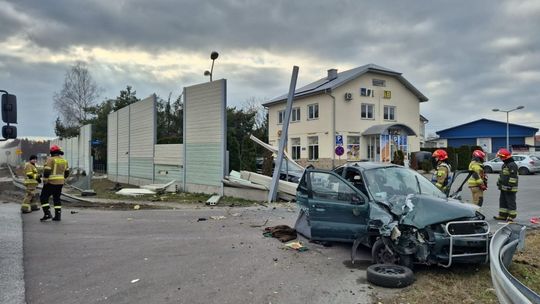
[[488, 134]]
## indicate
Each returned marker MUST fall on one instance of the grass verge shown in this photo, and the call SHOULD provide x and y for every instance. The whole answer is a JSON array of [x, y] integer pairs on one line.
[[467, 283], [104, 189]]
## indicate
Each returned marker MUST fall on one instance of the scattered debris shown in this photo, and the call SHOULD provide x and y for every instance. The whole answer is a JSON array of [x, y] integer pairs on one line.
[[535, 220], [137, 207], [135, 281], [201, 219], [88, 192], [135, 192], [213, 200], [296, 245], [218, 217], [283, 233], [158, 188], [258, 226], [74, 212]]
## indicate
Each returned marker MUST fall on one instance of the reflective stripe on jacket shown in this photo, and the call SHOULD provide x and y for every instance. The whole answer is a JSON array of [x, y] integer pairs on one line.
[[30, 173], [55, 170], [441, 177], [477, 176], [508, 178]]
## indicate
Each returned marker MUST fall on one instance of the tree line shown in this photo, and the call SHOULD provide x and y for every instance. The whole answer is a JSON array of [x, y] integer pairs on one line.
[[77, 104]]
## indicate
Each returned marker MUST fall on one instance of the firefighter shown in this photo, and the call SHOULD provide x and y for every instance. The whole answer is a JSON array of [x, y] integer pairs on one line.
[[508, 185], [441, 178], [55, 172], [31, 181], [478, 180]]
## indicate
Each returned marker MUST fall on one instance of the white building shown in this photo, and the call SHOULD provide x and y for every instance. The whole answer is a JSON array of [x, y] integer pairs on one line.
[[372, 111]]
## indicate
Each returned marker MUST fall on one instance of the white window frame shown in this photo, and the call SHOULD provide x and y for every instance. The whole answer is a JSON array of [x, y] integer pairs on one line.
[[312, 147], [296, 148], [295, 115], [312, 114], [367, 105], [387, 112], [280, 117]]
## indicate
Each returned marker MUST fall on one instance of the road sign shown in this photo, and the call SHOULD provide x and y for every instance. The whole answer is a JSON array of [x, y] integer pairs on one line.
[[339, 140], [339, 150], [18, 151]]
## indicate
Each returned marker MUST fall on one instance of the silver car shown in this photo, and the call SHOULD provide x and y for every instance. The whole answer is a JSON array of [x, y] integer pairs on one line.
[[527, 164]]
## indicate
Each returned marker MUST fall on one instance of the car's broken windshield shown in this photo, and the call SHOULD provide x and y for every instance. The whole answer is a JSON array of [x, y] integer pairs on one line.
[[386, 182]]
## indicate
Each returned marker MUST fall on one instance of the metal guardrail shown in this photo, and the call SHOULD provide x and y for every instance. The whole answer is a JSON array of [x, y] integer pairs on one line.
[[501, 250]]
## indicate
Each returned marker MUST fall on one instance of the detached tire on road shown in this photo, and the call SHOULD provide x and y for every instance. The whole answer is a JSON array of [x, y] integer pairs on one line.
[[391, 276]]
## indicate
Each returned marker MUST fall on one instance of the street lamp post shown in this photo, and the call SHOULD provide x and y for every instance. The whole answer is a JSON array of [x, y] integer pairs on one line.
[[508, 123], [214, 55]]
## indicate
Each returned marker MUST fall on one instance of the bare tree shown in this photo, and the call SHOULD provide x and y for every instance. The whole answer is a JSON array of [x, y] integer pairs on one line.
[[78, 94]]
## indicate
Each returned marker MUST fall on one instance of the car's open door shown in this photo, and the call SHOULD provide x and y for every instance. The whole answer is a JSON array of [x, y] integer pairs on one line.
[[337, 210], [459, 180]]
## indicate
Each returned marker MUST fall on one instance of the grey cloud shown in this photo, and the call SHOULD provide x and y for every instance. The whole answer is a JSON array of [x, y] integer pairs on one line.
[[479, 49]]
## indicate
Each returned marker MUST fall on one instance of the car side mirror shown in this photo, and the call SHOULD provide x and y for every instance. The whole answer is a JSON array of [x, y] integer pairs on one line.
[[357, 200]]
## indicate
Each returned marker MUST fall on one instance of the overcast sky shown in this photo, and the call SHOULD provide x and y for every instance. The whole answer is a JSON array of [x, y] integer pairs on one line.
[[467, 57]]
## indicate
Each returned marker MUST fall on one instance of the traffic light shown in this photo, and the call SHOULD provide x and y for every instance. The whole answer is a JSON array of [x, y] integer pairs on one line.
[[9, 115]]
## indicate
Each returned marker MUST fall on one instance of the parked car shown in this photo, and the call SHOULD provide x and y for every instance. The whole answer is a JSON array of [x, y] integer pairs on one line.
[[527, 164], [393, 210]]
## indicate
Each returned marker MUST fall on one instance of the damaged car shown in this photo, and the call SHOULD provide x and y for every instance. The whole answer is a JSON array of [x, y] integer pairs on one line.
[[393, 210]]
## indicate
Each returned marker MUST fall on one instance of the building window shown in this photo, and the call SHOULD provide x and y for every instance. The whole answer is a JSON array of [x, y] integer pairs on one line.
[[313, 111], [353, 147], [389, 113], [366, 92], [378, 82], [295, 114], [367, 111], [295, 147], [280, 116], [313, 147]]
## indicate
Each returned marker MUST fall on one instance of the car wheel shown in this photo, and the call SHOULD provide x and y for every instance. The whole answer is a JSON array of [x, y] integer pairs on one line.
[[392, 276], [524, 171], [381, 255], [487, 169]]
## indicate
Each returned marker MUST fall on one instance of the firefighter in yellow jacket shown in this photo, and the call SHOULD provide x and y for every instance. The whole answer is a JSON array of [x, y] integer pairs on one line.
[[478, 180], [508, 185], [441, 178], [55, 172], [31, 181]]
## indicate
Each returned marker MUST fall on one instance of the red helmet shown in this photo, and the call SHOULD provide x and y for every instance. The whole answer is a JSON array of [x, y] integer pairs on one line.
[[55, 149], [479, 154], [440, 154], [504, 154]]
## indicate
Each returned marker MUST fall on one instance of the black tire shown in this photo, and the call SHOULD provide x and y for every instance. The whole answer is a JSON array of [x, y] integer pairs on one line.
[[524, 171], [381, 255], [487, 169], [391, 276]]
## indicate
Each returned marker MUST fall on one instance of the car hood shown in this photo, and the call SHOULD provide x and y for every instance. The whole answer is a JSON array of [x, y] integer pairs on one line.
[[420, 210]]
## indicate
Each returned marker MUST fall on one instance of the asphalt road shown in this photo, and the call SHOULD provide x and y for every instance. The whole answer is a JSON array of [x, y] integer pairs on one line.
[[163, 256], [528, 199], [166, 256]]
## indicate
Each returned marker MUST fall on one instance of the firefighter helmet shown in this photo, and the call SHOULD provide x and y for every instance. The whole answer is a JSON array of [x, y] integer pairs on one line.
[[440, 154], [504, 154], [479, 154], [55, 149]]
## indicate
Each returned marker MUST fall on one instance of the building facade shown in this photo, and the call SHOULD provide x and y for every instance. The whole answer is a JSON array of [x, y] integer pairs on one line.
[[369, 111], [488, 134]]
